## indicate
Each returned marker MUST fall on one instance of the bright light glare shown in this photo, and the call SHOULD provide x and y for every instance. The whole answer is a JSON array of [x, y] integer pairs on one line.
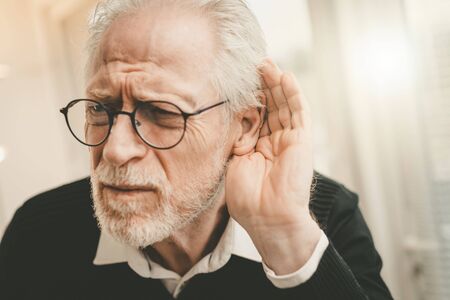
[[385, 61], [2, 154]]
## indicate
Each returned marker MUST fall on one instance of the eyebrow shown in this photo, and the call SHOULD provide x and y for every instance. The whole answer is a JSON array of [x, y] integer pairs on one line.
[[105, 95], [99, 94], [172, 96]]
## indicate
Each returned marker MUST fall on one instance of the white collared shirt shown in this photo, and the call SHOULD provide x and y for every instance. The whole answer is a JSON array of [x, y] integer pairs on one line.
[[234, 241]]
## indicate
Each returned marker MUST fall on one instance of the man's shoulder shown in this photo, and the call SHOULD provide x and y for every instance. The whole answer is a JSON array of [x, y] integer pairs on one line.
[[68, 202], [331, 199], [52, 237], [59, 221]]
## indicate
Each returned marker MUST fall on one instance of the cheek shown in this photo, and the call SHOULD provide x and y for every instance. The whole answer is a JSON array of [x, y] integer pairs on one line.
[[197, 137], [185, 161], [206, 134], [95, 154], [200, 145]]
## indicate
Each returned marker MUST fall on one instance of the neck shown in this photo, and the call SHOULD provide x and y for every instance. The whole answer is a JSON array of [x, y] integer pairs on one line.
[[182, 250]]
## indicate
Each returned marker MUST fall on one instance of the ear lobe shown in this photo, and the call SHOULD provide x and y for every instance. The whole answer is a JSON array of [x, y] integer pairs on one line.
[[250, 123]]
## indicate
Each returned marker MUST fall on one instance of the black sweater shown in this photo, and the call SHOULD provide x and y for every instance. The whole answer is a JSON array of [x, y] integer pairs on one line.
[[48, 249]]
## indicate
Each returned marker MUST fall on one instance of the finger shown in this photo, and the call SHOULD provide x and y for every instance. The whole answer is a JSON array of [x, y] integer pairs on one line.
[[297, 103], [268, 99], [272, 76], [291, 88], [284, 114], [272, 110]]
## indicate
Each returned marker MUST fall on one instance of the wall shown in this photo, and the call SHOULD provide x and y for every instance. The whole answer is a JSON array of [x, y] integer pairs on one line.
[[31, 128]]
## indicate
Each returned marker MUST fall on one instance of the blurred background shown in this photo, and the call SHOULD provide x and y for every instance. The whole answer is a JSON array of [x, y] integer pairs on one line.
[[377, 75]]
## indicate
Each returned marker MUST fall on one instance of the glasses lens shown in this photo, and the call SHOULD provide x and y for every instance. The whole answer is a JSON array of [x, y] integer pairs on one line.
[[160, 124], [88, 121]]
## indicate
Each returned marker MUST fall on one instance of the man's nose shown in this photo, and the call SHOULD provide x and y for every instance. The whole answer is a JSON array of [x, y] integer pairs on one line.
[[123, 143]]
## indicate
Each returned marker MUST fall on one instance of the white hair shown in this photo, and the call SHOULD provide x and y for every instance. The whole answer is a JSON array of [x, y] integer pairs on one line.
[[242, 46]]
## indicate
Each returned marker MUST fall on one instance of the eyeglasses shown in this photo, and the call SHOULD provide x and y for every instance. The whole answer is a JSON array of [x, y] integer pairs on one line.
[[160, 124]]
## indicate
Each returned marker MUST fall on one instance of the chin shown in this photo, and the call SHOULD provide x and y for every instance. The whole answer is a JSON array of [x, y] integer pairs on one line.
[[135, 231], [134, 222], [142, 218]]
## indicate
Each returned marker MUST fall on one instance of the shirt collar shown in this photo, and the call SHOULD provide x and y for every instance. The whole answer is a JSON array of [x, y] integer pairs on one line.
[[110, 251]]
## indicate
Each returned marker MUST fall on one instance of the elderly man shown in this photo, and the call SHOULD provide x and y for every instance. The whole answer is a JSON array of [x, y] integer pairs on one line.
[[202, 179]]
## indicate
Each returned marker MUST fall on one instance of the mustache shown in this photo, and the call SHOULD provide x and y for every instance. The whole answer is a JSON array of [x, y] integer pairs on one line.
[[128, 175]]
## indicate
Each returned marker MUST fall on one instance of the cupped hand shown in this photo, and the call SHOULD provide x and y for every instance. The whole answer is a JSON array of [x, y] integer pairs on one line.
[[268, 190]]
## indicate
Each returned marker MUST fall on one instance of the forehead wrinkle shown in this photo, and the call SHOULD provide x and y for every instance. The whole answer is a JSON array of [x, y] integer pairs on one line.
[[99, 93], [104, 84], [156, 43], [146, 86], [136, 83]]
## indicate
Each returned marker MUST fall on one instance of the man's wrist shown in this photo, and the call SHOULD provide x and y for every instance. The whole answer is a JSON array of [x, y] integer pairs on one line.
[[286, 250], [304, 273]]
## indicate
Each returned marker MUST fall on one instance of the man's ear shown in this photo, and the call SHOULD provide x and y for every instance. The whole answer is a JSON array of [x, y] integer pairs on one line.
[[249, 126]]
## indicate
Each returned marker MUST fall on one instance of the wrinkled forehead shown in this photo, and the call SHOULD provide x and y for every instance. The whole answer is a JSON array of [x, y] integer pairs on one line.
[[156, 41]]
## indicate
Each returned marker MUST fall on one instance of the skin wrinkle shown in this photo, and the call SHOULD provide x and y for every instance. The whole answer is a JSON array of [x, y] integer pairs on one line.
[[140, 90], [199, 129], [189, 68], [127, 91]]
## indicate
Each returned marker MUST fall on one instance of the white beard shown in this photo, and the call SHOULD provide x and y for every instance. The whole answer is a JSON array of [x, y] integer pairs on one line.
[[142, 222]]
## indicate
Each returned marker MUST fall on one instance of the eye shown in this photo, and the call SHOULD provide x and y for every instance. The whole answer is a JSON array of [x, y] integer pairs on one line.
[[96, 114], [95, 108], [165, 110], [98, 108], [161, 114]]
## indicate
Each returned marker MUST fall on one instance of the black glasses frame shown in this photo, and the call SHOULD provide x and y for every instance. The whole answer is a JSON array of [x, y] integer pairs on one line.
[[113, 113]]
